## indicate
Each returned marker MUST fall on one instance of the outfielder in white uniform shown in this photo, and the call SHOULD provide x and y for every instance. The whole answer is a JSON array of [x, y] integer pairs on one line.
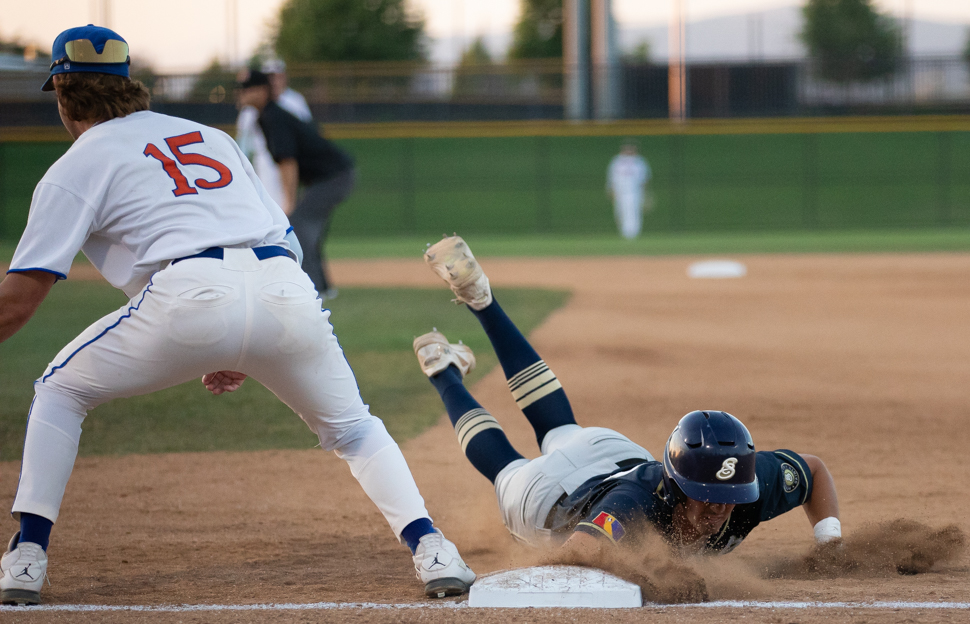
[[250, 137], [172, 213], [627, 178]]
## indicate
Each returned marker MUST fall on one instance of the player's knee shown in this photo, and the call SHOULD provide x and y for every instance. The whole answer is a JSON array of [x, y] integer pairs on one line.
[[52, 398], [359, 438]]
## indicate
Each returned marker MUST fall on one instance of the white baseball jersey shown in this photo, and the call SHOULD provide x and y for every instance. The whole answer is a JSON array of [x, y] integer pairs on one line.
[[137, 192], [628, 173], [292, 102], [251, 141]]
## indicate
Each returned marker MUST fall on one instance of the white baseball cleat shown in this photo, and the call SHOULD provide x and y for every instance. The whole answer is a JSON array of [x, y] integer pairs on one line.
[[439, 566], [453, 261], [24, 569], [435, 354]]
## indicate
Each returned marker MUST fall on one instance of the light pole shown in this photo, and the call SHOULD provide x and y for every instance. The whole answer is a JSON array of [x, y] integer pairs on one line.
[[232, 32], [603, 56], [575, 40], [677, 76]]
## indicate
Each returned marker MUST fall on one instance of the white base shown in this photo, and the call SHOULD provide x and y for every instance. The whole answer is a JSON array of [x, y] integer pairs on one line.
[[554, 586], [717, 269]]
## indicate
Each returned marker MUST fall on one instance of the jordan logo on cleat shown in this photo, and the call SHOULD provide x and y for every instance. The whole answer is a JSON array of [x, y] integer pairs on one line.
[[436, 562], [25, 573]]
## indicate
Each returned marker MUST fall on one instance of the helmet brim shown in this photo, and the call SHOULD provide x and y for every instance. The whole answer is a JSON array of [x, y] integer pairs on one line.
[[720, 493]]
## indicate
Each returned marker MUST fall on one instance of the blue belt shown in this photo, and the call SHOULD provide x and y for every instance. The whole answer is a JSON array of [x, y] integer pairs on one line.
[[217, 253]]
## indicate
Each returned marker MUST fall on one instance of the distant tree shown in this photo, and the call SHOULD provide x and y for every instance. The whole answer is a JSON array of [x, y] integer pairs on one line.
[[538, 33], [261, 54], [640, 53], [476, 54], [214, 84], [145, 73], [474, 76], [348, 30], [850, 40]]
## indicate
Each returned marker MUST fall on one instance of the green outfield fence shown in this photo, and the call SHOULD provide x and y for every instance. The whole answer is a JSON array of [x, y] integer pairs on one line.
[[549, 177]]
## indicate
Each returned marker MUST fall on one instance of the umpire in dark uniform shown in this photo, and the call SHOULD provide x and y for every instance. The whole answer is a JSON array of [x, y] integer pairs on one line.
[[304, 157]]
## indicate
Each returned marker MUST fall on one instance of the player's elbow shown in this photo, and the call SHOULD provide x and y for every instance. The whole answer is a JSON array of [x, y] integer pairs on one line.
[[20, 296], [815, 465], [823, 502], [13, 316]]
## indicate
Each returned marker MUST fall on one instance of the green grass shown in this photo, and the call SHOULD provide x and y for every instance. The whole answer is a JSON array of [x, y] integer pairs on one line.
[[555, 185], [375, 327], [847, 241], [862, 241], [22, 165]]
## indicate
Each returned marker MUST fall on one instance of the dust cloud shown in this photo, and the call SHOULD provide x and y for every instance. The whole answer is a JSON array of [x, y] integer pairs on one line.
[[666, 576], [893, 547]]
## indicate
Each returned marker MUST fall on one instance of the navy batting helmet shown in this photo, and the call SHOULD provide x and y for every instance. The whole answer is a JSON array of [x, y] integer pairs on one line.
[[710, 458]]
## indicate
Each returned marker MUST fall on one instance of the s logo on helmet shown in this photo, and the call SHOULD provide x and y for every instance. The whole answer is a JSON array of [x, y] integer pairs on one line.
[[727, 469]]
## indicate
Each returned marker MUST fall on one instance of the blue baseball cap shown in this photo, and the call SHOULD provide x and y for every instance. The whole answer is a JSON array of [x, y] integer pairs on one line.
[[88, 49]]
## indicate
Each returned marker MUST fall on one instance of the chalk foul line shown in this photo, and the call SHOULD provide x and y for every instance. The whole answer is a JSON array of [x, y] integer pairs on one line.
[[879, 604], [325, 606]]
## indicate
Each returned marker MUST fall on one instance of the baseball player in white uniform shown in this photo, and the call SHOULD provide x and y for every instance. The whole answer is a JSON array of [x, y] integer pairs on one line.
[[626, 181], [172, 213], [250, 137]]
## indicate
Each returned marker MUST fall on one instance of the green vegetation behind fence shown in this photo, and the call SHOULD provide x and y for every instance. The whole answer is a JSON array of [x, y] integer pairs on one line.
[[556, 184]]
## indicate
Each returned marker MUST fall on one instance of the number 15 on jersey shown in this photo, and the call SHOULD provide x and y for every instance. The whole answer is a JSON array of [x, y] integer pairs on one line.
[[182, 186]]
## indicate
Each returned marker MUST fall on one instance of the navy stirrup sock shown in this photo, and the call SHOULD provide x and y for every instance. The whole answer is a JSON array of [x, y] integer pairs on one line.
[[533, 385], [513, 350], [414, 531], [35, 529], [481, 438]]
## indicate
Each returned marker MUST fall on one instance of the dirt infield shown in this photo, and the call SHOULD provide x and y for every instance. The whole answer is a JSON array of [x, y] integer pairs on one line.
[[861, 360]]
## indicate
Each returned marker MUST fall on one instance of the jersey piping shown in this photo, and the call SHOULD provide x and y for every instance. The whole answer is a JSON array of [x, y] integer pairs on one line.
[[590, 525], [127, 314], [59, 275]]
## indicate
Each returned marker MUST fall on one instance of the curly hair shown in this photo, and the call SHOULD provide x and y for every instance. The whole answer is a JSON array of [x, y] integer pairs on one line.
[[100, 97]]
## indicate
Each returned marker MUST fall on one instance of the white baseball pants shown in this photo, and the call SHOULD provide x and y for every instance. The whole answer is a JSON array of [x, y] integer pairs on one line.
[[198, 316], [628, 211], [571, 455]]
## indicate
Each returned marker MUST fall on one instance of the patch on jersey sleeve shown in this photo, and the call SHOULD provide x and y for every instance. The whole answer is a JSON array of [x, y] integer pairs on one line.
[[610, 525], [791, 477]]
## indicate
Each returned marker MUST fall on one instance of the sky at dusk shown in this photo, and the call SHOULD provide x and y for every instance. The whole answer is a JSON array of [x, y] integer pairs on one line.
[[187, 34]]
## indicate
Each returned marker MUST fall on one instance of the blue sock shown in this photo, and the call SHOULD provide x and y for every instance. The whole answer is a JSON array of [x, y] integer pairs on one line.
[[527, 374], [414, 531], [35, 529], [481, 438]]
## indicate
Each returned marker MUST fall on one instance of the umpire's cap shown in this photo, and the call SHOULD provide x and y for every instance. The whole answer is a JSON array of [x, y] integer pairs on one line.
[[253, 78], [88, 49], [710, 457]]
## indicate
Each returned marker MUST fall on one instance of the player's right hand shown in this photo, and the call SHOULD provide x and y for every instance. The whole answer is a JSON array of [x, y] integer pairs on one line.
[[223, 381]]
